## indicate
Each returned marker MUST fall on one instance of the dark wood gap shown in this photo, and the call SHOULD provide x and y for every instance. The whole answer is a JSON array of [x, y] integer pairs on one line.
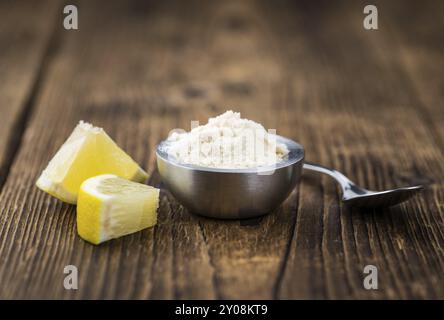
[[26, 112]]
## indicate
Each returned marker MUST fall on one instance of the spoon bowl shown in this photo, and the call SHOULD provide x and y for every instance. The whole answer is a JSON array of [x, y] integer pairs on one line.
[[231, 193], [356, 196], [387, 198]]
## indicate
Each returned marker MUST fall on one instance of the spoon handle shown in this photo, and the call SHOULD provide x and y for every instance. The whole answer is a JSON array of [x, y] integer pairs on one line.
[[346, 184]]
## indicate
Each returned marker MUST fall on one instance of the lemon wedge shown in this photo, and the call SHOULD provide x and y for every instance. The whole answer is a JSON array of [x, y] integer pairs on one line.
[[88, 152], [110, 207]]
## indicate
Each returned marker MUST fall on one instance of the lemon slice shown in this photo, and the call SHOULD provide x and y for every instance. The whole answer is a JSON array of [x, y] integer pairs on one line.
[[88, 152], [110, 207]]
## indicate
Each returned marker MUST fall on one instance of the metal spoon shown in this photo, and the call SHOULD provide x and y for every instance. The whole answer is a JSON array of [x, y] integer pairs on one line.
[[360, 197], [247, 193]]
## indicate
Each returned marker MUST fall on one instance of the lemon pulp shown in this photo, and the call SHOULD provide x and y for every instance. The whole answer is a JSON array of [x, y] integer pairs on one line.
[[109, 207], [88, 152]]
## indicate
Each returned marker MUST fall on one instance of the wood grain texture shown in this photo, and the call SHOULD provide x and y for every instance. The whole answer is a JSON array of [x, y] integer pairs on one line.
[[24, 48], [367, 103], [369, 126]]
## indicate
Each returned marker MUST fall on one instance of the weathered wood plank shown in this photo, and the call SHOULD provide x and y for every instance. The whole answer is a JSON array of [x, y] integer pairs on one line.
[[111, 72], [26, 28], [246, 255], [140, 69], [360, 117], [419, 47]]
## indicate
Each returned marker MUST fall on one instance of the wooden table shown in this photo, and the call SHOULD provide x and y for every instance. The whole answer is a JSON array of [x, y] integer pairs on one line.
[[369, 103]]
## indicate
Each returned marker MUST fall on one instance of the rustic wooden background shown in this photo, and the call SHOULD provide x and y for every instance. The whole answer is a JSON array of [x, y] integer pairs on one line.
[[369, 103]]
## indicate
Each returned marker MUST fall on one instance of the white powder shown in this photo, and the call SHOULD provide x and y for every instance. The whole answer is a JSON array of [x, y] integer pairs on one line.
[[227, 141]]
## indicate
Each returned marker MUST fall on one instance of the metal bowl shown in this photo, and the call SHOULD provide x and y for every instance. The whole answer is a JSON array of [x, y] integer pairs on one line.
[[231, 193]]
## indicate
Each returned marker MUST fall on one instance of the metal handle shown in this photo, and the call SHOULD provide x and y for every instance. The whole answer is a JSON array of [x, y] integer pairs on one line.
[[346, 184]]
